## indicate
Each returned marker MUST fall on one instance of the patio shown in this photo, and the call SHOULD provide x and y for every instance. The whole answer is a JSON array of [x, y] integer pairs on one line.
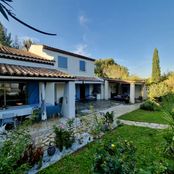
[[85, 108]]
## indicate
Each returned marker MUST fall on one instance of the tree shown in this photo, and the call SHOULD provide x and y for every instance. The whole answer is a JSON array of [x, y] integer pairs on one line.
[[107, 68], [16, 43], [5, 10], [5, 38], [27, 43], [158, 90], [156, 72]]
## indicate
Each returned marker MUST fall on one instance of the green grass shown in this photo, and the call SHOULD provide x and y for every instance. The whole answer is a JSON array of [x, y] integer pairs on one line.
[[149, 143], [145, 116]]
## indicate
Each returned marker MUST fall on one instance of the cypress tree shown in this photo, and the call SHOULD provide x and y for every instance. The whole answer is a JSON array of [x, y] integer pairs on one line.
[[156, 72]]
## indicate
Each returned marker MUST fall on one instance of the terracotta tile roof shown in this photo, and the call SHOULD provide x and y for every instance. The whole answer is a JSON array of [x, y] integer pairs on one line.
[[83, 78], [26, 71], [12, 53]]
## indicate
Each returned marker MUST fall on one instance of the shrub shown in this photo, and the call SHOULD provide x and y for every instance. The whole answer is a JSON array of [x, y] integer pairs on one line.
[[12, 150], [109, 117], [97, 126], [155, 91], [32, 155], [36, 115], [63, 138], [115, 158], [149, 106], [167, 107]]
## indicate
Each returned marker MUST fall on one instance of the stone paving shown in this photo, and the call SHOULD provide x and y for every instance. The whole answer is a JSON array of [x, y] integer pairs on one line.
[[144, 124], [122, 109], [84, 108]]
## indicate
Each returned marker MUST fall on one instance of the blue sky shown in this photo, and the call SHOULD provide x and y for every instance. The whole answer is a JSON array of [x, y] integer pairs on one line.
[[126, 30]]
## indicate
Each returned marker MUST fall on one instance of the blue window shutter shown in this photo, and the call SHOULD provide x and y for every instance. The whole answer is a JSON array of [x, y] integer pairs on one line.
[[82, 65], [33, 92], [62, 62]]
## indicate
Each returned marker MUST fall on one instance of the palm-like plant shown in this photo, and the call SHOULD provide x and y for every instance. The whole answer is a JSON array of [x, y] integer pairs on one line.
[[6, 11]]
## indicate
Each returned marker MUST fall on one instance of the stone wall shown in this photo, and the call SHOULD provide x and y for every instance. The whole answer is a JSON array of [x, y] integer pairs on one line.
[[42, 138]]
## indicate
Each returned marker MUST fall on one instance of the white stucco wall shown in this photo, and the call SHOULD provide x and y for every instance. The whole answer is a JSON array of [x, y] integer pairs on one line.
[[73, 62], [132, 93], [68, 107], [50, 93], [138, 91], [59, 91], [91, 87]]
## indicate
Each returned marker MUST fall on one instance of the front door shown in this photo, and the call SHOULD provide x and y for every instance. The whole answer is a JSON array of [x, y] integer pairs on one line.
[[82, 91]]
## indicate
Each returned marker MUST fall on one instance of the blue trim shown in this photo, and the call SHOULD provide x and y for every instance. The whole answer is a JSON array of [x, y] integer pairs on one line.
[[62, 62], [33, 92], [82, 65]]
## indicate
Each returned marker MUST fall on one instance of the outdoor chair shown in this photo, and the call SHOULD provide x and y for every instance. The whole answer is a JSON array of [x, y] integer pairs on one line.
[[53, 110]]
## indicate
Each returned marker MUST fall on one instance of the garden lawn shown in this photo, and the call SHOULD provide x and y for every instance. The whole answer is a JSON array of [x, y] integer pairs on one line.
[[145, 116], [149, 143]]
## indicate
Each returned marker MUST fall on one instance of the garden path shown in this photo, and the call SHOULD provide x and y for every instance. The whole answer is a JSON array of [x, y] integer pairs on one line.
[[144, 124], [123, 109]]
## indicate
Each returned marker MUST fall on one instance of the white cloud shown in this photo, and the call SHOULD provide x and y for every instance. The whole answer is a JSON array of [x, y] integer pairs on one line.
[[82, 49], [83, 20]]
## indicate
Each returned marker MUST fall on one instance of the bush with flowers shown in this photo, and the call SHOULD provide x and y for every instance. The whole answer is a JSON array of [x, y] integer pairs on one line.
[[115, 158]]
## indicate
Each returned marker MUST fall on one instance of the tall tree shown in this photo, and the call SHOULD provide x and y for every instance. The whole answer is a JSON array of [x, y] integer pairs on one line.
[[16, 43], [156, 72], [107, 68], [5, 38]]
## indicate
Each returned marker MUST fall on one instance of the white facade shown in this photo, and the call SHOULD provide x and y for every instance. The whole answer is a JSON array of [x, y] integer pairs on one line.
[[68, 107], [73, 67]]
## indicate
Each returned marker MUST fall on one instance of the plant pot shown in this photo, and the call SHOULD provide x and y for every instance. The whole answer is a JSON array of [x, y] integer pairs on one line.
[[51, 150]]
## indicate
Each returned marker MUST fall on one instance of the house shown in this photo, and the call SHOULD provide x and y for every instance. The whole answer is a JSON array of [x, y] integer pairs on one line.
[[54, 80], [117, 88], [28, 80], [87, 85]]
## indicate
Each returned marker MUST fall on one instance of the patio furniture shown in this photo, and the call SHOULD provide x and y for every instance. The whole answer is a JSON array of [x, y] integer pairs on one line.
[[53, 110], [123, 98], [91, 98]]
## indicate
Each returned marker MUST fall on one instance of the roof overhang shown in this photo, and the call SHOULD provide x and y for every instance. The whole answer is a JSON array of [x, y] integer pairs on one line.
[[3, 78], [125, 81], [67, 53], [89, 80]]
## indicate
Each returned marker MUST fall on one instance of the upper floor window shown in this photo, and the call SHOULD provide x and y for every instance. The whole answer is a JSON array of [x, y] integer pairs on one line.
[[82, 65], [62, 62]]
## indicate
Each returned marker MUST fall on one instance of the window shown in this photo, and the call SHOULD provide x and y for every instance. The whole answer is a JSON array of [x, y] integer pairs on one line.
[[62, 62], [82, 65], [12, 94]]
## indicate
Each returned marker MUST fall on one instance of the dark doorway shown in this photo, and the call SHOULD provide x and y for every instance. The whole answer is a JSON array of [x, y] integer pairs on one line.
[[82, 91]]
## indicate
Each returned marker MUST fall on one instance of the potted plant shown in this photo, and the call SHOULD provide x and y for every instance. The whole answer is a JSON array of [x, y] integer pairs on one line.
[[51, 149]]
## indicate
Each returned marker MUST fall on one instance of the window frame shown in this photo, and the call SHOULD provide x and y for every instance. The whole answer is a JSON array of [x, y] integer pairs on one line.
[[83, 66], [60, 64]]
